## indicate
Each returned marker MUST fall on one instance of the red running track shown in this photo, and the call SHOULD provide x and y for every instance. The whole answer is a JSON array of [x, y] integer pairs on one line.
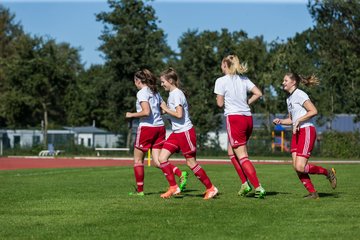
[[27, 163]]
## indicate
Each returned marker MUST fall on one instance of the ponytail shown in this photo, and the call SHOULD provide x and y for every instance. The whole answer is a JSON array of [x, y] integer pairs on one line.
[[147, 78], [234, 65], [309, 81]]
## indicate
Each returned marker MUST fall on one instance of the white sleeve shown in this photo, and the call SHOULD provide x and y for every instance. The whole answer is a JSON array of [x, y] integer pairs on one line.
[[219, 88], [142, 96], [179, 99], [302, 97], [249, 85]]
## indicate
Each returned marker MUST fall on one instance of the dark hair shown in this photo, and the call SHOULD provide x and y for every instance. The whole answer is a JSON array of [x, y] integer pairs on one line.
[[147, 78], [307, 81]]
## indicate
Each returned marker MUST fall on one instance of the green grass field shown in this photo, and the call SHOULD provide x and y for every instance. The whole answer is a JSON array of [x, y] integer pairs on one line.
[[92, 203]]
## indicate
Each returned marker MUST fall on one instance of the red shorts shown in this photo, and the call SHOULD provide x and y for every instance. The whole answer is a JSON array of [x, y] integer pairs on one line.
[[150, 137], [239, 128], [184, 141], [303, 141]]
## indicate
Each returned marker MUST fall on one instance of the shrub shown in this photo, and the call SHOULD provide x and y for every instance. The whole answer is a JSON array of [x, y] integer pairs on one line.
[[340, 145]]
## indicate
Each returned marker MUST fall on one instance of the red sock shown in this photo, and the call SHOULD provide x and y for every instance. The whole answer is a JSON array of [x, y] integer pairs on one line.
[[306, 181], [139, 176], [249, 171], [201, 175], [238, 168], [175, 170], [313, 169], [167, 170]]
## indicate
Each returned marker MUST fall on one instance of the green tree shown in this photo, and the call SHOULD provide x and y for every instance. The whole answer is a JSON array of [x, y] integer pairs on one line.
[[298, 55], [37, 80], [87, 99], [199, 65], [11, 33], [131, 41], [198, 69], [337, 37]]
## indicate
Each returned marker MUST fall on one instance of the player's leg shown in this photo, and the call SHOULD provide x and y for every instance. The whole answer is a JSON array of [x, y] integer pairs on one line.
[[239, 131], [306, 144], [199, 172], [139, 172], [183, 175], [249, 170], [187, 144], [299, 165], [158, 142], [245, 186], [170, 146]]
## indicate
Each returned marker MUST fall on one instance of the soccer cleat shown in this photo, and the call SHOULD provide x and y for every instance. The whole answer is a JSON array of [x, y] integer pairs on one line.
[[183, 180], [332, 177], [139, 194], [173, 190], [211, 192], [260, 192], [244, 189], [313, 195]]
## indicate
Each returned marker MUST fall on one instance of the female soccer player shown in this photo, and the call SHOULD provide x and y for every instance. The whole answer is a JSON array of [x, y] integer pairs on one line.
[[151, 130], [231, 90], [182, 138], [301, 110]]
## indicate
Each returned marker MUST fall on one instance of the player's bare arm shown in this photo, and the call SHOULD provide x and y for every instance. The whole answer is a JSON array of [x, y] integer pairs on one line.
[[145, 112]]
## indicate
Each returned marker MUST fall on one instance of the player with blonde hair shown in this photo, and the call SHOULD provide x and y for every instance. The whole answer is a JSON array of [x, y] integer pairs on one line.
[[231, 91]]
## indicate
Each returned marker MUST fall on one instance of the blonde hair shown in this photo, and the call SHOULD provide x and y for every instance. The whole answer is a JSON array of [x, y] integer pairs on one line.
[[234, 65], [307, 81]]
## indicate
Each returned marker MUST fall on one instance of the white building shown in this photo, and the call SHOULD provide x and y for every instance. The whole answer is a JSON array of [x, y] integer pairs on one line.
[[91, 137], [88, 136]]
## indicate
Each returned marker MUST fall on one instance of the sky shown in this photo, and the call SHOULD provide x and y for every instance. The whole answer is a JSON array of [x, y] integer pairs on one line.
[[74, 21]]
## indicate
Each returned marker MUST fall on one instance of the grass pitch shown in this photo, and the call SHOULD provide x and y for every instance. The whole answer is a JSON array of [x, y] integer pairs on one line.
[[92, 203]]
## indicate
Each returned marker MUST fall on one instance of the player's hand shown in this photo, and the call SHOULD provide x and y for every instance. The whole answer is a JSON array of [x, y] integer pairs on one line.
[[277, 121], [296, 127], [164, 107], [128, 115]]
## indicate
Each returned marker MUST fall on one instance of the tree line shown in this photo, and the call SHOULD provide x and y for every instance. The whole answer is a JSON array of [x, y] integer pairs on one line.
[[44, 83]]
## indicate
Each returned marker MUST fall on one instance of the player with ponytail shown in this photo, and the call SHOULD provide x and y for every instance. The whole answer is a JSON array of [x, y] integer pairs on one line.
[[231, 91], [301, 111], [151, 130], [182, 138]]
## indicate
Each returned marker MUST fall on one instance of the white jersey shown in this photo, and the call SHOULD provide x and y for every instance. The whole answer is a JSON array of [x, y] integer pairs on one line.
[[234, 88], [295, 104], [154, 100], [177, 98]]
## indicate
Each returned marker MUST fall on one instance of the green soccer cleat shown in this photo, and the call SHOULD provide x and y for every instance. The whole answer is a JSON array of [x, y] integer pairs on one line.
[[138, 194], [260, 192], [183, 180], [244, 189]]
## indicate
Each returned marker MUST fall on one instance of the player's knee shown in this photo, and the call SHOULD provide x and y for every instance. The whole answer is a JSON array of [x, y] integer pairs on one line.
[[162, 158], [299, 168], [138, 160]]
